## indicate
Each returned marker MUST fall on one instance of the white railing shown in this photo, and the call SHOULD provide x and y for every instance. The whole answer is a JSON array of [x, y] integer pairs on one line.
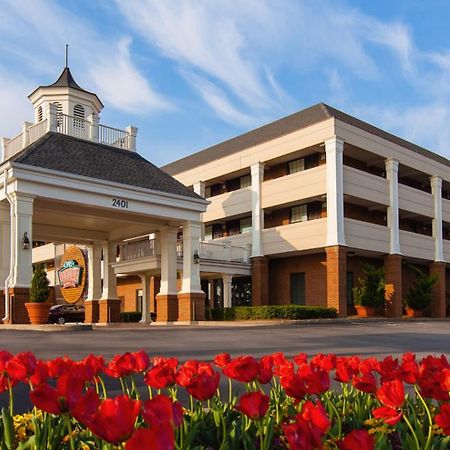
[[207, 250], [13, 146], [113, 136], [73, 126], [37, 130], [139, 249]]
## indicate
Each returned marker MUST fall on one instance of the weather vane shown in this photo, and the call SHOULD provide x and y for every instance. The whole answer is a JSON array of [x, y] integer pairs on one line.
[[67, 55]]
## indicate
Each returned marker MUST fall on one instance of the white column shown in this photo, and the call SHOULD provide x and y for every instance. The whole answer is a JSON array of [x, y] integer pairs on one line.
[[199, 188], [5, 241], [168, 239], [257, 173], [109, 277], [227, 281], [93, 127], [132, 133], [50, 114], [436, 190], [26, 133], [393, 211], [145, 279], [334, 149], [191, 269], [23, 223], [94, 272]]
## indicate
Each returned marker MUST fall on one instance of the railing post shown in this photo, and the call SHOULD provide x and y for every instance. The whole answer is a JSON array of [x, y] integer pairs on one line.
[[26, 133], [131, 135], [247, 252], [50, 113], [227, 251], [93, 127], [4, 146]]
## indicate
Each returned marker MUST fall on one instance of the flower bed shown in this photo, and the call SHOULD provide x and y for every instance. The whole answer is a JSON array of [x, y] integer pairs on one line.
[[271, 402]]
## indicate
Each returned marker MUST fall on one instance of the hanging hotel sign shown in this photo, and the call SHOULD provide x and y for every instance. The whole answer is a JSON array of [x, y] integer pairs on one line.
[[72, 274]]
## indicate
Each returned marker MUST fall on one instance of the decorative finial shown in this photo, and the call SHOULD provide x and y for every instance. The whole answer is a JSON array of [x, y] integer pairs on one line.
[[67, 55]]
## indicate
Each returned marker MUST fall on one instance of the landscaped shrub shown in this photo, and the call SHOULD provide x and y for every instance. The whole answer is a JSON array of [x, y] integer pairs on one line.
[[272, 402], [371, 287], [287, 312], [130, 316], [419, 295]]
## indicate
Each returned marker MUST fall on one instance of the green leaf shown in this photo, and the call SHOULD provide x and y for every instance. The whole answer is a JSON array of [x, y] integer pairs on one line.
[[8, 429]]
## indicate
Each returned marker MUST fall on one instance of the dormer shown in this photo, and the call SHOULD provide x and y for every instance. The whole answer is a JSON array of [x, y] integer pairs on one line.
[[70, 99]]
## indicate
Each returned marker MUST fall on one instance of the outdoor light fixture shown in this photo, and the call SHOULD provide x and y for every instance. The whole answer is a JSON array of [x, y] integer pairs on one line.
[[25, 242], [196, 257]]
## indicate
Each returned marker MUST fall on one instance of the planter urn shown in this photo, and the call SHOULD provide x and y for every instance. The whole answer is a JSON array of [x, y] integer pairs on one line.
[[365, 311], [411, 312], [38, 312]]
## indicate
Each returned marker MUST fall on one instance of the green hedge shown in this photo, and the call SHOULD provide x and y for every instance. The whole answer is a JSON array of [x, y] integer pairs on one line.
[[130, 316], [289, 312]]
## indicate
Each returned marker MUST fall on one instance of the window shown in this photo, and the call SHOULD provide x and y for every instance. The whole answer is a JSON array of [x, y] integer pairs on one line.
[[78, 114], [299, 213], [207, 191], [246, 225], [59, 114], [208, 232], [246, 181], [39, 114], [297, 165], [350, 288], [139, 299], [298, 288]]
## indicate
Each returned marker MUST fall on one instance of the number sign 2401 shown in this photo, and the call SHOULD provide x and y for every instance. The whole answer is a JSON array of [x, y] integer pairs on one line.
[[119, 203]]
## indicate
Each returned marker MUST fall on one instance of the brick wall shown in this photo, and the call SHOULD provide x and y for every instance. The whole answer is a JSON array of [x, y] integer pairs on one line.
[[315, 279], [126, 291]]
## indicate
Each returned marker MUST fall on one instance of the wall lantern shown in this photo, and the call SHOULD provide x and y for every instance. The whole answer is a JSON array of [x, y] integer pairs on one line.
[[196, 257], [25, 242]]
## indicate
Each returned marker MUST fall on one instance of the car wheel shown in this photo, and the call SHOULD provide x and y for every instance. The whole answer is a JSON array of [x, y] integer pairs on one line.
[[61, 320]]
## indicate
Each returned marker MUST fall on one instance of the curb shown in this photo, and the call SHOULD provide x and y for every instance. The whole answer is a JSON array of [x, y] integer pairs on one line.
[[47, 327]]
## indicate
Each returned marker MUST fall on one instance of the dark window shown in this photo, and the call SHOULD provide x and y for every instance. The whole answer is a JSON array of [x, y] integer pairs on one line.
[[312, 161], [241, 292], [298, 288], [350, 289]]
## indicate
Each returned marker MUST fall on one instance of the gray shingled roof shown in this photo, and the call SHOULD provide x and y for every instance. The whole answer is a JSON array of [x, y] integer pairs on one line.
[[286, 125], [67, 154]]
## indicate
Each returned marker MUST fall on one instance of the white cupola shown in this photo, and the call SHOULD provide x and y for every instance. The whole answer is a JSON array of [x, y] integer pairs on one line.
[[68, 97]]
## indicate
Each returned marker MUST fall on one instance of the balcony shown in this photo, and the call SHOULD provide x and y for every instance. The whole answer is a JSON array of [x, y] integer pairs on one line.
[[367, 236], [89, 130], [365, 185], [229, 204], [297, 186], [415, 201], [212, 251], [417, 245]]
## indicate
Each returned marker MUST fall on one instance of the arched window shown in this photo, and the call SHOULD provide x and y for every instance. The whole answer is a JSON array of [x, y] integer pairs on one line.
[[78, 114], [59, 116], [39, 114]]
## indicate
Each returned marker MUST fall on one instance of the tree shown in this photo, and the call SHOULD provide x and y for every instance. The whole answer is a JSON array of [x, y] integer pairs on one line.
[[39, 290]]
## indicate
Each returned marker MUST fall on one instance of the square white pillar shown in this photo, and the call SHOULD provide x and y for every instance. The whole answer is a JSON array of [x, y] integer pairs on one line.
[[227, 280], [199, 188], [5, 241], [191, 265], [334, 149], [393, 221], [109, 277], [168, 245], [436, 190], [94, 272], [23, 229], [257, 174], [145, 279]]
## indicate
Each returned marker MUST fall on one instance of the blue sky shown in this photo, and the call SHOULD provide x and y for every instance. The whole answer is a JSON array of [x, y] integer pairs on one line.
[[190, 74]]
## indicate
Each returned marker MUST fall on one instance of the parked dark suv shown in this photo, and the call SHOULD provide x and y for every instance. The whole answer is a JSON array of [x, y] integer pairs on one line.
[[66, 313]]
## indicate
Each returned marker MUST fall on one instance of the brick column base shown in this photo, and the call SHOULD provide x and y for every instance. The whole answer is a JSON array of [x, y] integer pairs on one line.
[[260, 280], [17, 311], [438, 307], [155, 286], [91, 309], [393, 277], [109, 310], [191, 306], [166, 308], [337, 279]]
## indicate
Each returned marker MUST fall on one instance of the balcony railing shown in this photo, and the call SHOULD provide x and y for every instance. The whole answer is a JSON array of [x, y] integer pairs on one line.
[[207, 251], [87, 129]]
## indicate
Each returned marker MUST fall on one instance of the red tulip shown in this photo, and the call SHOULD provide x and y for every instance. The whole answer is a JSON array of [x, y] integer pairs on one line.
[[265, 372], [21, 366], [59, 366], [162, 409], [357, 440], [293, 384], [392, 395], [301, 358], [199, 379], [316, 415], [299, 436], [244, 369], [4, 358], [222, 359], [41, 374], [445, 379], [344, 372], [253, 405], [68, 392], [443, 418], [366, 382], [86, 407], [325, 362], [160, 376], [142, 361], [121, 366], [388, 369], [115, 419], [159, 437], [94, 365]]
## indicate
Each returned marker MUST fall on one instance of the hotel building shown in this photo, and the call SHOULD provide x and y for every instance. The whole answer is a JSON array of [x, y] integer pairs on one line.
[[317, 193]]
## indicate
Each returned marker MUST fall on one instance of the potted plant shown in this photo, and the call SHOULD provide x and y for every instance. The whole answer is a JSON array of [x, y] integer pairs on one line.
[[38, 306], [370, 294], [420, 294]]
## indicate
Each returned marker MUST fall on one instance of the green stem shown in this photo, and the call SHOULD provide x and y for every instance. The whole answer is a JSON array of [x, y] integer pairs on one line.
[[11, 399], [70, 431], [230, 391], [412, 432], [102, 383], [430, 420], [338, 417]]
